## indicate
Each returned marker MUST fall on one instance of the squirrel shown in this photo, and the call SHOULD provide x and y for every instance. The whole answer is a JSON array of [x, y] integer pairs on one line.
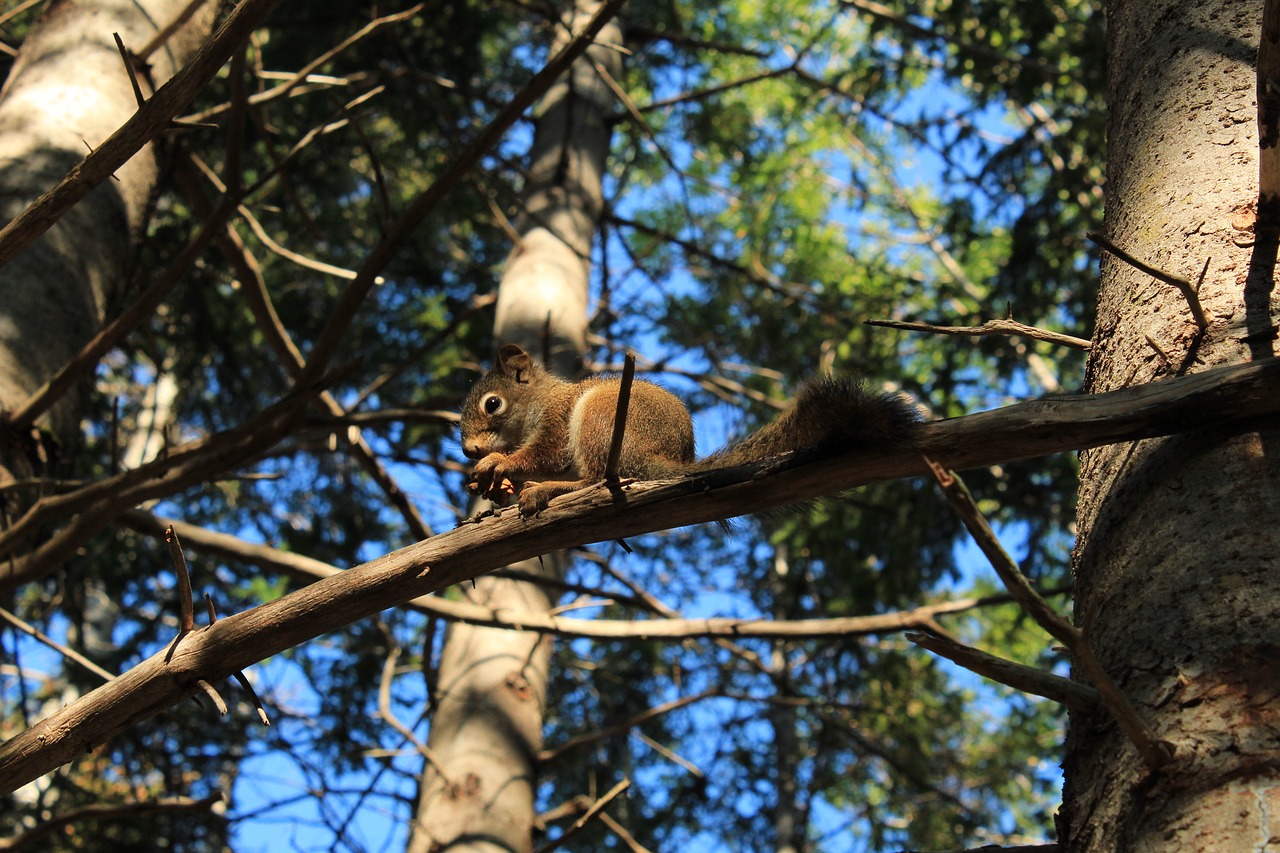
[[533, 431]]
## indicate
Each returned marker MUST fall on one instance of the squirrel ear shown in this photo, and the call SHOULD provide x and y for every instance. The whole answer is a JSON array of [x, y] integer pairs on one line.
[[513, 359]]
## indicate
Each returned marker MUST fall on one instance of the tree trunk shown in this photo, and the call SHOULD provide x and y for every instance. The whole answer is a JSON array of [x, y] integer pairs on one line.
[[491, 695], [67, 92], [1178, 556]]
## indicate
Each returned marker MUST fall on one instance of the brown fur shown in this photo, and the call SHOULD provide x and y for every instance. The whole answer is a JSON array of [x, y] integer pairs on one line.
[[548, 437]]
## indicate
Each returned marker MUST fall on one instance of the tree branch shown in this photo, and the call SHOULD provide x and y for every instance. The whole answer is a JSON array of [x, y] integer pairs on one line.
[[140, 129], [1027, 679], [307, 570], [1225, 396]]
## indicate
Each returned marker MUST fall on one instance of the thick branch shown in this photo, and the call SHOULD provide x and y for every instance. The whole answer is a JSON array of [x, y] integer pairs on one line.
[[1215, 398]]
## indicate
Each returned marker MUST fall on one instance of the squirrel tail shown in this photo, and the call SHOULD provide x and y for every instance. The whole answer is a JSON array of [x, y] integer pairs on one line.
[[827, 413]]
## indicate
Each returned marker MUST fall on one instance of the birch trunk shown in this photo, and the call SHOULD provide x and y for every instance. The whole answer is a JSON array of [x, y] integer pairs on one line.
[[491, 695], [68, 91], [1178, 557]]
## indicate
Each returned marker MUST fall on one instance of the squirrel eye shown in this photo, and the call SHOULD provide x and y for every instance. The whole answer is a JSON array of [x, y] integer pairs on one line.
[[493, 405]]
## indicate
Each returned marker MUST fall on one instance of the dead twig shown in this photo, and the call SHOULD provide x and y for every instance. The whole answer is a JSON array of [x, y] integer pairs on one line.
[[625, 726], [254, 289], [187, 619], [164, 33], [345, 311], [991, 327], [1155, 752], [586, 818], [620, 421], [93, 506], [142, 127], [1028, 679], [105, 811], [142, 308], [66, 651], [670, 629], [388, 716], [1184, 286]]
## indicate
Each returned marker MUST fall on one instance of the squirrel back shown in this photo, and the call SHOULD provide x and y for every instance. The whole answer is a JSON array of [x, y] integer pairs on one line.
[[541, 436]]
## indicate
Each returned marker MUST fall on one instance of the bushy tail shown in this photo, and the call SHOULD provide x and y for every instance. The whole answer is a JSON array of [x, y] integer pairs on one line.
[[830, 413]]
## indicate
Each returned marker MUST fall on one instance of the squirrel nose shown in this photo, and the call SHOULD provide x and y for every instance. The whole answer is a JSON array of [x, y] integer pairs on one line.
[[472, 449]]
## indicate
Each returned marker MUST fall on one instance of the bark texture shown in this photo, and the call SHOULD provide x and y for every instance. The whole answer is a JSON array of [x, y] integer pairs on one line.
[[490, 703], [68, 91], [1178, 556]]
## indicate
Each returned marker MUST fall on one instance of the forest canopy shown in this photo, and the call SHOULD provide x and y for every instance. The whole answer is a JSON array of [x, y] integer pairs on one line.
[[777, 174]]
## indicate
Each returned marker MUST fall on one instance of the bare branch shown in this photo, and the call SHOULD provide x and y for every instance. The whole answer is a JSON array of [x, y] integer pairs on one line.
[[1231, 395], [1155, 752], [343, 313], [104, 811], [66, 651], [96, 504], [991, 327], [1185, 287], [141, 309], [620, 421], [141, 128], [165, 32], [1019, 676], [670, 629], [595, 809]]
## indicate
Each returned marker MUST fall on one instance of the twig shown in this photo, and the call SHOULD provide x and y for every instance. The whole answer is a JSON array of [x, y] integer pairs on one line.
[[991, 327], [672, 629], [17, 10], [1154, 751], [623, 836], [388, 716], [598, 735], [213, 695], [1185, 287], [303, 74], [1019, 676], [578, 824], [345, 311], [142, 308], [620, 420], [66, 651], [103, 811], [162, 35], [143, 126], [96, 504], [671, 756], [128, 67], [254, 289], [186, 610]]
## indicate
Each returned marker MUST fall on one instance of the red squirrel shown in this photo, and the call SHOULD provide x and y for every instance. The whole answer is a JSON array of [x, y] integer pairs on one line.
[[546, 436]]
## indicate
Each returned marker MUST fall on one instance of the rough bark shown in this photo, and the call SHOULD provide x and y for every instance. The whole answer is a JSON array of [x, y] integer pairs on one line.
[[67, 92], [490, 701], [1178, 557]]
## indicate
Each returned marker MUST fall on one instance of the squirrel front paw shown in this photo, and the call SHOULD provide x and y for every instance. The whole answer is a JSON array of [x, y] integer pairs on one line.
[[489, 480]]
